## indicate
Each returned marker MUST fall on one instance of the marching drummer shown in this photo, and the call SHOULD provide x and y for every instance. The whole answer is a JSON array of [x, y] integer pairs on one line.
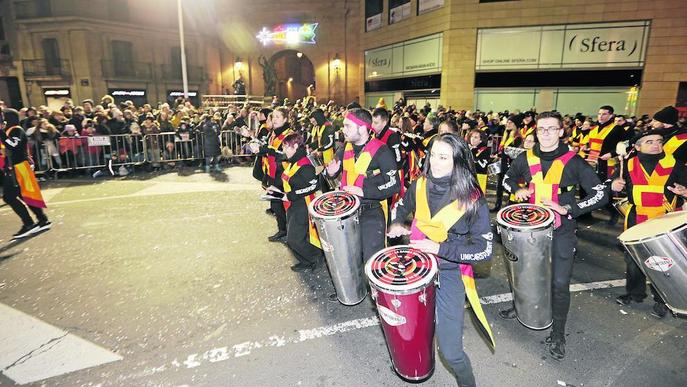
[[655, 185], [450, 220], [368, 169], [300, 184], [552, 172], [477, 140], [321, 140]]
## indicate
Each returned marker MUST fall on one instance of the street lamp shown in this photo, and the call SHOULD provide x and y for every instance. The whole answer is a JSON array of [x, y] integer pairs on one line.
[[184, 75], [336, 62]]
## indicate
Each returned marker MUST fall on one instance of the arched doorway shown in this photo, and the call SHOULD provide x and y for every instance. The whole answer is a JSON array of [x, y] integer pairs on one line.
[[294, 73]]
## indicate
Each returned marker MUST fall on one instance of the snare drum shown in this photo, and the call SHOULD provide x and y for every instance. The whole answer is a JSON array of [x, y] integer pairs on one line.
[[403, 281], [659, 247], [526, 234], [336, 216]]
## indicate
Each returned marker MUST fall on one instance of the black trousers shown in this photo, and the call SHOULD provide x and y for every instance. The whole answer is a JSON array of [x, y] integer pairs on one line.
[[11, 195], [277, 207], [373, 229], [499, 182], [563, 247], [298, 236], [635, 284]]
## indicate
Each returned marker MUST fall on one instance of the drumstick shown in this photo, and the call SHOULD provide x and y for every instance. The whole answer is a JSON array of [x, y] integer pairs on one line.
[[621, 150]]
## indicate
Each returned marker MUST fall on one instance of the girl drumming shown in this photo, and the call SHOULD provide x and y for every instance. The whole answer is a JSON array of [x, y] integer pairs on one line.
[[450, 220]]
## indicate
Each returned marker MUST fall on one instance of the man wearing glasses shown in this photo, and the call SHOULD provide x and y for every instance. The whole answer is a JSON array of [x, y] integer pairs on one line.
[[552, 173], [18, 179]]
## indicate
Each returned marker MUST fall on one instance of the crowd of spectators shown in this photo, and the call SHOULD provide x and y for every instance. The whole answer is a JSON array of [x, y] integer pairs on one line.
[[197, 137]]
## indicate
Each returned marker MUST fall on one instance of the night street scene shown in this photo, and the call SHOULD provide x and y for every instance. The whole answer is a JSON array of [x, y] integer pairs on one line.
[[343, 193]]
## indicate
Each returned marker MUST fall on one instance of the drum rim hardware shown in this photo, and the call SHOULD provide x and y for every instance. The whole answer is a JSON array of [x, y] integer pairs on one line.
[[545, 224]]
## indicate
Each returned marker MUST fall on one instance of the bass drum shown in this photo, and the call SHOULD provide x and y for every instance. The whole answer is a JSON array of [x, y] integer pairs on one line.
[[659, 247], [336, 215], [526, 234], [403, 282]]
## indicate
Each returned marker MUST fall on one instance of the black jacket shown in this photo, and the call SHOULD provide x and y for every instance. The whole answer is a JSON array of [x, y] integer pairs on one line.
[[382, 174], [467, 242], [576, 172]]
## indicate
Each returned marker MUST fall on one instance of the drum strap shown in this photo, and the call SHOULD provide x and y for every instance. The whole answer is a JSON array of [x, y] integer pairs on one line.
[[547, 187], [289, 172], [436, 228]]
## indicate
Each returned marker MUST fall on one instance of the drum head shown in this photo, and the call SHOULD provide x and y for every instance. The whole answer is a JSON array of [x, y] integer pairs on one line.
[[401, 268], [334, 205], [654, 227], [524, 216]]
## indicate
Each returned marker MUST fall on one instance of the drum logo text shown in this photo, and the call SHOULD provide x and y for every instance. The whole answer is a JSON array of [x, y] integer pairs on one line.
[[657, 263], [390, 317]]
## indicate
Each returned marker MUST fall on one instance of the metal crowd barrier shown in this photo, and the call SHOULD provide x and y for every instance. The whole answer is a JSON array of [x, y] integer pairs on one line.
[[99, 152], [95, 152], [234, 145], [173, 147]]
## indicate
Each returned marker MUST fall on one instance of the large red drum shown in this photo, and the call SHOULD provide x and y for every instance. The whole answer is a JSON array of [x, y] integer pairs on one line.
[[402, 280]]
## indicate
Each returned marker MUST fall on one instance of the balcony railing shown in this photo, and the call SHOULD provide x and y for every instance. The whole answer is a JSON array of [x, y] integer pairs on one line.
[[127, 70], [173, 73], [41, 68]]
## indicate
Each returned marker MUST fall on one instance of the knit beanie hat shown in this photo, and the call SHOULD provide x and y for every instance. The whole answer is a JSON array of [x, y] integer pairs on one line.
[[667, 115]]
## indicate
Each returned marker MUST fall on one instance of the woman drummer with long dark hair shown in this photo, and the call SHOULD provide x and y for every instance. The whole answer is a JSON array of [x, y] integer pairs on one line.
[[450, 220]]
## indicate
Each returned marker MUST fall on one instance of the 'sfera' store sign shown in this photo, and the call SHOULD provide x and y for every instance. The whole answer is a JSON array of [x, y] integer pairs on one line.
[[413, 57], [598, 45]]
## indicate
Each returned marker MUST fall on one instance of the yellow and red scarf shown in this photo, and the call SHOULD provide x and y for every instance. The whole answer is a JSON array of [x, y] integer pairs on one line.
[[355, 171], [648, 191], [29, 189], [269, 163], [546, 187], [288, 173], [436, 228]]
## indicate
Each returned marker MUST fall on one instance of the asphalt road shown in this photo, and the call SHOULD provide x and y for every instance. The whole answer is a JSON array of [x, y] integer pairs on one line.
[[173, 274]]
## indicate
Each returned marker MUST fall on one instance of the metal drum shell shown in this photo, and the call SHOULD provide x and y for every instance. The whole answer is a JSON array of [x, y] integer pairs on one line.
[[529, 267], [341, 240], [669, 276]]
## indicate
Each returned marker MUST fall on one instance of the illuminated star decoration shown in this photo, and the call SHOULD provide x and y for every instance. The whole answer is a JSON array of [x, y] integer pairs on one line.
[[288, 34]]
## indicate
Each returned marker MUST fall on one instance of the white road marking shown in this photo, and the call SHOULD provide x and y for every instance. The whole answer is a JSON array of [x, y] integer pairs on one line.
[[221, 354], [33, 350]]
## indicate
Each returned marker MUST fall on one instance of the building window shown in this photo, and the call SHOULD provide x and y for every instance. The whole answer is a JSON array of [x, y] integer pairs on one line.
[[122, 57], [398, 10], [176, 60], [373, 14], [51, 55], [2, 30], [118, 10]]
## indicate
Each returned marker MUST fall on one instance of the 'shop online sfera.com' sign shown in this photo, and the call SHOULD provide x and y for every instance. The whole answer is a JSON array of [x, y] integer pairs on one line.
[[596, 45]]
